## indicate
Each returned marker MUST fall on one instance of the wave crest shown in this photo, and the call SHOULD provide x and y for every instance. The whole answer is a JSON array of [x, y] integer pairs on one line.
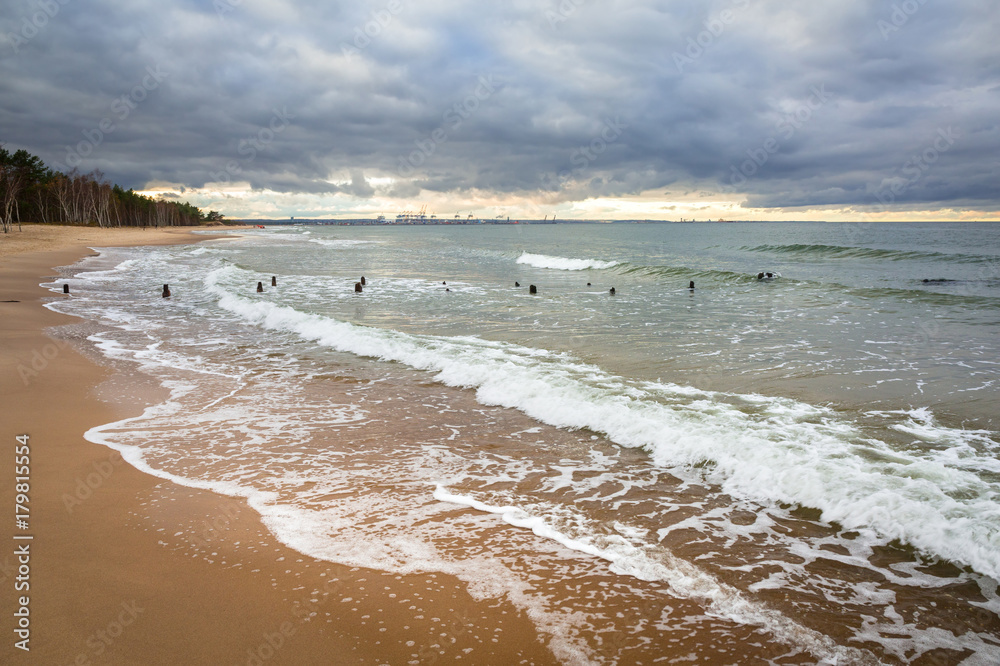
[[564, 263], [853, 252]]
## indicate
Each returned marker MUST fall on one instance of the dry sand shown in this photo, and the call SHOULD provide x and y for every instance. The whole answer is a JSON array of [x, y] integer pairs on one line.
[[125, 568]]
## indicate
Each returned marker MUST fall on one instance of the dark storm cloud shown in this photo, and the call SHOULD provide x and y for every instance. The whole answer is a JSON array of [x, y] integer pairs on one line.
[[791, 104]]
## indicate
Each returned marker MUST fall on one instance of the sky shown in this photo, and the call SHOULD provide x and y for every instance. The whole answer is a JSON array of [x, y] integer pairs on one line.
[[877, 110]]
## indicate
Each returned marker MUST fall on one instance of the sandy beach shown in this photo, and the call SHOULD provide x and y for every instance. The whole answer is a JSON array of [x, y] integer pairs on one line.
[[125, 568]]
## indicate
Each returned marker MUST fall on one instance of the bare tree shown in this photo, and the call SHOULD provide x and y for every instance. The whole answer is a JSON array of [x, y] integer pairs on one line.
[[11, 182]]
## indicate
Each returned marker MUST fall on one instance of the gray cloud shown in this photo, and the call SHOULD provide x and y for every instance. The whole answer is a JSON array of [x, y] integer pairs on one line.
[[393, 89]]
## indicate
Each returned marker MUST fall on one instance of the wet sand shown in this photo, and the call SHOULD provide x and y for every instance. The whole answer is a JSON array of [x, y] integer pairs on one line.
[[125, 568]]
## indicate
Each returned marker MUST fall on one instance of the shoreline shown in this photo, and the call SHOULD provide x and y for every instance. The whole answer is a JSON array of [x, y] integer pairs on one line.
[[129, 568]]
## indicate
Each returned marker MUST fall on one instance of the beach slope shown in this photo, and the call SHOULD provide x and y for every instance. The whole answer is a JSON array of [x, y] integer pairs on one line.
[[114, 566]]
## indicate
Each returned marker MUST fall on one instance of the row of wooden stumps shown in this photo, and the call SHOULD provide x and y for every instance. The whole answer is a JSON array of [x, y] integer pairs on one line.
[[166, 287], [260, 285], [532, 289], [359, 287]]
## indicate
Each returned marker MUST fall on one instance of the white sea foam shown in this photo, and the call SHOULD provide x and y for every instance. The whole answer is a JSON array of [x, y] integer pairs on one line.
[[685, 579], [340, 242], [754, 446], [769, 449], [563, 263]]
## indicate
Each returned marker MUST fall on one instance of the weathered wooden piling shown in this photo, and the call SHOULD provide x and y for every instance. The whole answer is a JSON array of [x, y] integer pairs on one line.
[[532, 289], [274, 280], [166, 291], [260, 287], [517, 284], [691, 286], [363, 283], [66, 288], [357, 288]]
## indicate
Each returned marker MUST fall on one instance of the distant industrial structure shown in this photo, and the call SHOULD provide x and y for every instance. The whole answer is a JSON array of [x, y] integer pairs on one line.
[[420, 217]]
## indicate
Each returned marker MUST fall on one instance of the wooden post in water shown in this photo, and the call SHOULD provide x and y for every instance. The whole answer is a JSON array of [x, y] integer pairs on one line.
[[65, 288], [363, 283], [612, 291], [357, 287], [260, 287], [166, 291], [532, 289], [691, 286], [274, 280]]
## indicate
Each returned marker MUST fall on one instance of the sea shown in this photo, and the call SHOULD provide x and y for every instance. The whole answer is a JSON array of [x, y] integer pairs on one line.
[[794, 469]]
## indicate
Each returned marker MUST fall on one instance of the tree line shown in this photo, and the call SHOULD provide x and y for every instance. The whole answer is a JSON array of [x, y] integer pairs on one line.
[[32, 192]]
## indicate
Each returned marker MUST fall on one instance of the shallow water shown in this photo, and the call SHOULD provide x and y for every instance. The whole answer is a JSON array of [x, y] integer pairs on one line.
[[801, 470]]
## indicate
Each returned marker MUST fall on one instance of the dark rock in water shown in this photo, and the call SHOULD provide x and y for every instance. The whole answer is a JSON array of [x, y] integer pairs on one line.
[[166, 291], [363, 280], [517, 284], [760, 276], [532, 289], [612, 291], [260, 287], [443, 282], [588, 284], [357, 288], [448, 289]]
